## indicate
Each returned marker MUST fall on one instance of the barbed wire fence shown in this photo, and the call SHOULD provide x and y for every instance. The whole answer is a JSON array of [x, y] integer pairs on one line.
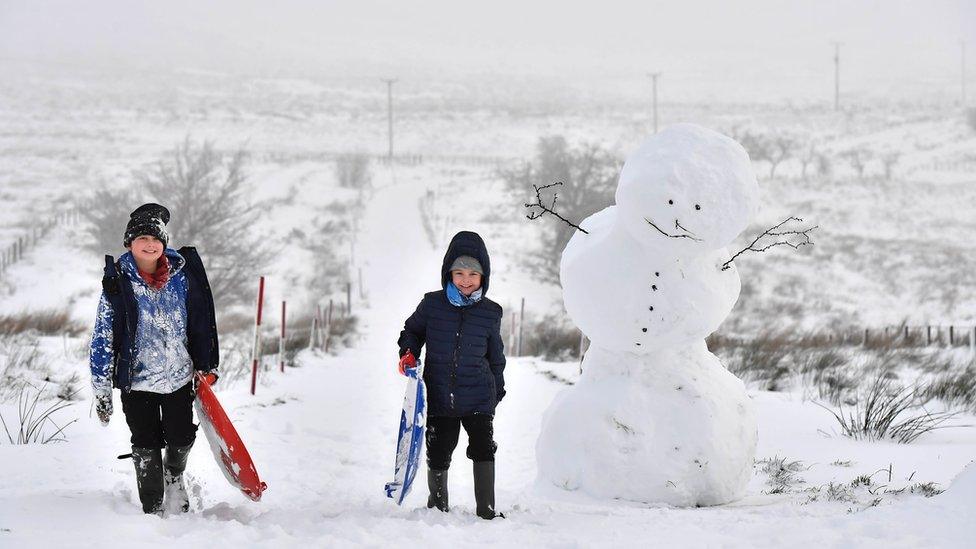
[[17, 250]]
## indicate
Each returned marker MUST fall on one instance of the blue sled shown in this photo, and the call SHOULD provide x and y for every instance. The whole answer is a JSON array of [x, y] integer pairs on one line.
[[410, 441]]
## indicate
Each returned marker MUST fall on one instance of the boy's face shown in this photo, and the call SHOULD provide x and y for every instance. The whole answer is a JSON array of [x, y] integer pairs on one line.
[[466, 280], [147, 248]]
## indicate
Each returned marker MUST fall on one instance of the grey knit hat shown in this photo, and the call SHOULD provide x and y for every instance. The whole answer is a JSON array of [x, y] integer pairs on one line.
[[467, 262]]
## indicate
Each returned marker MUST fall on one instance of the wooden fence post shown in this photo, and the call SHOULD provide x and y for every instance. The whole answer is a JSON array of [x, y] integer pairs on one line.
[[312, 331], [952, 336], [328, 326], [928, 335], [521, 327], [511, 332]]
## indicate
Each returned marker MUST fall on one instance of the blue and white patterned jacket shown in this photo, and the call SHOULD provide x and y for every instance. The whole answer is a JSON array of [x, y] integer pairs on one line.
[[162, 362]]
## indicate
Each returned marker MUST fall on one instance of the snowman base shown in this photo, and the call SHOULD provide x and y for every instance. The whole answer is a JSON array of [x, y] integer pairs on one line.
[[673, 427]]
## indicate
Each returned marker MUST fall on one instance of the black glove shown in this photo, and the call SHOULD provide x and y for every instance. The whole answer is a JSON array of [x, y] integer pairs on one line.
[[103, 408]]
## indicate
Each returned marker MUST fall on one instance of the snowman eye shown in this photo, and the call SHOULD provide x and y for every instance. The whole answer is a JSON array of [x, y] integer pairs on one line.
[[697, 207], [671, 202]]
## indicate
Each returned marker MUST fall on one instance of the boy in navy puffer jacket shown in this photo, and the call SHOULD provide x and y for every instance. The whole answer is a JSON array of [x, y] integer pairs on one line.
[[464, 368], [155, 326]]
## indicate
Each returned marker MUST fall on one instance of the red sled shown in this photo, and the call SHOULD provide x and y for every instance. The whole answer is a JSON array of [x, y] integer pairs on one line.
[[226, 444]]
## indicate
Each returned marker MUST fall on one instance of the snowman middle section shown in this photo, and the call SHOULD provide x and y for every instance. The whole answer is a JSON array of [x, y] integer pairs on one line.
[[631, 296]]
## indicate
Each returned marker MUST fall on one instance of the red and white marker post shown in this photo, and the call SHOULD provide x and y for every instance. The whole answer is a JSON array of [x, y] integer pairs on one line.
[[256, 349], [281, 342]]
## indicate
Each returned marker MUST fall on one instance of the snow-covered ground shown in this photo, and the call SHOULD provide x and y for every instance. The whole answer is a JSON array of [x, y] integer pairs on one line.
[[323, 435]]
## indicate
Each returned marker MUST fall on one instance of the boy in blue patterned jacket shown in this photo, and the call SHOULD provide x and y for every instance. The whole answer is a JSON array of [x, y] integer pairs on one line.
[[155, 326]]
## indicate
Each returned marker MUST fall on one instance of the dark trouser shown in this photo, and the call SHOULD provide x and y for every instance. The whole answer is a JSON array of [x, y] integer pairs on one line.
[[442, 438], [158, 420]]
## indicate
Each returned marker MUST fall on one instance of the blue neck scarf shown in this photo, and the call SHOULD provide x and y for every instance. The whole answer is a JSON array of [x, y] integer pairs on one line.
[[458, 299]]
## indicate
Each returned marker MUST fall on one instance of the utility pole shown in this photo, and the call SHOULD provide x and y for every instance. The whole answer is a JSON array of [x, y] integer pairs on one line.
[[389, 112], [654, 76], [963, 44], [836, 76]]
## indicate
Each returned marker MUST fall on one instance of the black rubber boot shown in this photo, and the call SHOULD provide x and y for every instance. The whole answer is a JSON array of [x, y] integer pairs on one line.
[[177, 499], [149, 478], [484, 489], [437, 483]]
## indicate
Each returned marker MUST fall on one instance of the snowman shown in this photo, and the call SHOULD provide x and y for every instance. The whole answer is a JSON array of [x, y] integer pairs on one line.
[[655, 416]]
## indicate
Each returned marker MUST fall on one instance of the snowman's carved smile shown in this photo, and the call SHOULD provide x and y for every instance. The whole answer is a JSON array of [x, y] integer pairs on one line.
[[685, 233]]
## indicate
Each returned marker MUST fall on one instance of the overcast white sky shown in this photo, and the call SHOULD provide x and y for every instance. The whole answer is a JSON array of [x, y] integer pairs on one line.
[[897, 44]]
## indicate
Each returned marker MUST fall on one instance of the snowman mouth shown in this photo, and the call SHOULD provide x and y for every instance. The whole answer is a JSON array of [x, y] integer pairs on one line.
[[685, 233]]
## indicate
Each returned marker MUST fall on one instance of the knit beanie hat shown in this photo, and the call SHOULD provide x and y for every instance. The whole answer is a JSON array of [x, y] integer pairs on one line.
[[148, 219], [467, 262]]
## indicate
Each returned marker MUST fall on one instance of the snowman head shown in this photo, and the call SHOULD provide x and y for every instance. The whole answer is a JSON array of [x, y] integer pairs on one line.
[[687, 189]]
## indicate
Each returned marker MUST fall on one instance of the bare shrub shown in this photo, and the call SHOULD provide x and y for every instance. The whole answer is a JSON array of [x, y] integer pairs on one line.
[[824, 166], [888, 160], [551, 337], [43, 322], [20, 359], [69, 387], [33, 420], [827, 372], [858, 158], [763, 360], [108, 216], [209, 197], [882, 413], [772, 148], [956, 389], [588, 174], [341, 333], [352, 170], [324, 238], [808, 157]]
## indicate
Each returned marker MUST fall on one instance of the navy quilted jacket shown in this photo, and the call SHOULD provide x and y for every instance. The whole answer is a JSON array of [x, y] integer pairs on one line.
[[465, 359]]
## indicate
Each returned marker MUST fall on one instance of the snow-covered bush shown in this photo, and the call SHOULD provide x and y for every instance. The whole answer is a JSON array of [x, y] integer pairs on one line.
[[782, 475], [352, 170]]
